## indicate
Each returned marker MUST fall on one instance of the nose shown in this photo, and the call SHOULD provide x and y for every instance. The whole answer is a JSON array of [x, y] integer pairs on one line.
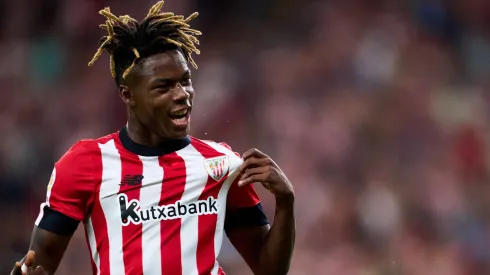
[[180, 94]]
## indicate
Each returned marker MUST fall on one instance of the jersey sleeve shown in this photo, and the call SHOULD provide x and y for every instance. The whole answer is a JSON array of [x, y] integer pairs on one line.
[[239, 197], [243, 207], [70, 191]]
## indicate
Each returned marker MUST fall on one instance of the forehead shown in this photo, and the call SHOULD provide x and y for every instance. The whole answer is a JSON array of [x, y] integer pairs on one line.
[[169, 64]]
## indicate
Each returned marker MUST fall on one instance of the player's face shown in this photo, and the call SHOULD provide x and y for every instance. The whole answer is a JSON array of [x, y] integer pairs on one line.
[[162, 93]]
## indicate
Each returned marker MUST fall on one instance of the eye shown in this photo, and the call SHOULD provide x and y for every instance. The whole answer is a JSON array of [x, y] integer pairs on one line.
[[186, 81], [162, 88]]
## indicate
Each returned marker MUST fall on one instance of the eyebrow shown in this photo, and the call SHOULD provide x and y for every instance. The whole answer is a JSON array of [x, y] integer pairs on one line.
[[187, 73]]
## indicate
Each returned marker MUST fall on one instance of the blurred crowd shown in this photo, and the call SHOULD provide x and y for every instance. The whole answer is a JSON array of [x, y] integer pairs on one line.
[[376, 110]]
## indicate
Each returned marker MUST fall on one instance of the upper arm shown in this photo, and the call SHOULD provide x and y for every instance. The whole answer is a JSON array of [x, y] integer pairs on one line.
[[70, 194], [248, 242], [246, 224]]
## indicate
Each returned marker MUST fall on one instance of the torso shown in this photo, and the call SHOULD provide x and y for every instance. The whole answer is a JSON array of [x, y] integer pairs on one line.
[[160, 213]]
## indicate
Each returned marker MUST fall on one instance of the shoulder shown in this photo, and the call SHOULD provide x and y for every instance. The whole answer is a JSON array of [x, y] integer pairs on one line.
[[83, 150], [222, 147]]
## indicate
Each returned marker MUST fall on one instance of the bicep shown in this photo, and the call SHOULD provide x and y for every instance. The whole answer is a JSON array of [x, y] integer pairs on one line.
[[248, 242], [246, 224], [49, 248], [247, 229]]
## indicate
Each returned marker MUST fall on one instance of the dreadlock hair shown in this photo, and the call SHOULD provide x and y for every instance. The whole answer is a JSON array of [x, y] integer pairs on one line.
[[128, 40]]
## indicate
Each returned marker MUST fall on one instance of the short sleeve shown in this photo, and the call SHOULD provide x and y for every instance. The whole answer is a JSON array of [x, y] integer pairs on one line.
[[72, 185], [239, 197], [243, 207]]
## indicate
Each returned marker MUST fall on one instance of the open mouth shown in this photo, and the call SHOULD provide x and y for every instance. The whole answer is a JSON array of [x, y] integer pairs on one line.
[[180, 116]]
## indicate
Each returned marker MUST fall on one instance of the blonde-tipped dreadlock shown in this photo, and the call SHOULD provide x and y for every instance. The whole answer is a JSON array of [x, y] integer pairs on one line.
[[129, 40]]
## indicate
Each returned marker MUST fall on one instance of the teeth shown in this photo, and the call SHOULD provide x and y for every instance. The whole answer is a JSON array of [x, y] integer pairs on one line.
[[182, 119], [180, 113]]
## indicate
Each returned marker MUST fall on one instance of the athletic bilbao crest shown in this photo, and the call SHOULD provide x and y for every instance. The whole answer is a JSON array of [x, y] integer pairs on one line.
[[217, 167]]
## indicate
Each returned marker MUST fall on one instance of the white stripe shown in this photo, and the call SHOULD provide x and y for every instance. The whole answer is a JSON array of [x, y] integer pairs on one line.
[[52, 179], [92, 243], [235, 163], [196, 180], [41, 214], [215, 269], [218, 234], [111, 177], [150, 196]]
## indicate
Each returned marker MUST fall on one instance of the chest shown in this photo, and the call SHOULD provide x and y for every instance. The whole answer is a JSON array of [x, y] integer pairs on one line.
[[181, 177]]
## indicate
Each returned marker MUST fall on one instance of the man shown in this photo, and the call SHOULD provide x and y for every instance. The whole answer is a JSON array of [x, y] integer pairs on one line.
[[152, 199]]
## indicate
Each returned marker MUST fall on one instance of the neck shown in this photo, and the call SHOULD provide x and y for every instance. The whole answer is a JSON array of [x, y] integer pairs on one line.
[[140, 145], [142, 135]]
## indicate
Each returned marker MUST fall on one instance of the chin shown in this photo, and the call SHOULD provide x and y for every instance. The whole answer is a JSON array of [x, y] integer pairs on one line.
[[179, 136], [178, 133], [171, 130]]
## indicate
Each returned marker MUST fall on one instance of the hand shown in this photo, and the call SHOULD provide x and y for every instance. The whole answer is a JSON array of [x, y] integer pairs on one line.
[[29, 263], [258, 167]]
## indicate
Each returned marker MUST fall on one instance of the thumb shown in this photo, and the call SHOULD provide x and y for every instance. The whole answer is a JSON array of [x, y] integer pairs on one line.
[[30, 257]]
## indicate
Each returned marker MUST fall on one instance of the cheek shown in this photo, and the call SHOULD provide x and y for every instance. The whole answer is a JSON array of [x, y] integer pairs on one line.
[[159, 107], [149, 115], [191, 93]]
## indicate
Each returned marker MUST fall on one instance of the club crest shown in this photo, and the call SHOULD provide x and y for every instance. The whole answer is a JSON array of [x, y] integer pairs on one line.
[[217, 167]]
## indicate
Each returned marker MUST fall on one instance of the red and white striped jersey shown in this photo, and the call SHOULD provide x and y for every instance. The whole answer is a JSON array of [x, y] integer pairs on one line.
[[149, 211]]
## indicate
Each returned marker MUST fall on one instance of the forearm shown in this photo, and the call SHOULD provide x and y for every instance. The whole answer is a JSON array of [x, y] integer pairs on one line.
[[44, 259], [49, 249], [277, 250]]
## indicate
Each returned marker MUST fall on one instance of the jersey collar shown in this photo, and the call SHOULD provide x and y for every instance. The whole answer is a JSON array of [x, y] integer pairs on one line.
[[170, 146]]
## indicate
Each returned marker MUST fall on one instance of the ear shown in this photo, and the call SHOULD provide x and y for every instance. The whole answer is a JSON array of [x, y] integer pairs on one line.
[[126, 95]]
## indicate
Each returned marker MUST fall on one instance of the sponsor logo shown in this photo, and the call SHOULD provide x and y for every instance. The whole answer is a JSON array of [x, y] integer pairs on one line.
[[132, 180], [132, 213], [217, 167]]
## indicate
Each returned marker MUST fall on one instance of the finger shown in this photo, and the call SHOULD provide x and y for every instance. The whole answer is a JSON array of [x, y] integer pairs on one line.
[[254, 153], [252, 179], [16, 269], [253, 162], [29, 260], [24, 269], [38, 271], [254, 171]]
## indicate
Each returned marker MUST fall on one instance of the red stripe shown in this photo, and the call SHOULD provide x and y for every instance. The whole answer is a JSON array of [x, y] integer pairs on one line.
[[99, 222], [221, 271], [174, 177], [207, 223], [131, 165]]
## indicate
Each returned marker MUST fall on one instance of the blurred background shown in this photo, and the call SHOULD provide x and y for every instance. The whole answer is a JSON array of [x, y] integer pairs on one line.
[[378, 111]]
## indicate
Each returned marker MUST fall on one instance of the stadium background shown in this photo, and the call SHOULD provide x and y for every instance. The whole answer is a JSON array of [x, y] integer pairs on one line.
[[376, 110]]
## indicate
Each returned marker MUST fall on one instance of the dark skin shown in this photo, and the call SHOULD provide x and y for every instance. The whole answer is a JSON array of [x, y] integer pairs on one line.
[[155, 89], [267, 250]]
